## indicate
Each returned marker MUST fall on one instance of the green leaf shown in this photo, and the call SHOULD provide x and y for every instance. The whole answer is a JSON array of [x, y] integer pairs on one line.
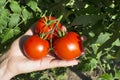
[[4, 14], [109, 56], [99, 55], [14, 19], [70, 3], [92, 34], [8, 34], [4, 19], [116, 43], [95, 48], [117, 74], [15, 7], [86, 20], [61, 77], [91, 9], [106, 77], [16, 30], [93, 63], [102, 38], [3, 25], [26, 14], [89, 64], [2, 3], [32, 5]]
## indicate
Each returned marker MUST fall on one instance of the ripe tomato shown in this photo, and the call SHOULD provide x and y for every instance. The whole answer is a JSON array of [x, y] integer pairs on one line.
[[46, 24], [36, 48], [68, 47]]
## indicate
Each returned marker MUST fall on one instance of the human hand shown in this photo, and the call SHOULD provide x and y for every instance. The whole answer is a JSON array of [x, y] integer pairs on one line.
[[16, 62]]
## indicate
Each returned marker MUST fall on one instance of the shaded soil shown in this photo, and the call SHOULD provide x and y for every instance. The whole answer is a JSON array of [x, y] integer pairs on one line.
[[74, 74]]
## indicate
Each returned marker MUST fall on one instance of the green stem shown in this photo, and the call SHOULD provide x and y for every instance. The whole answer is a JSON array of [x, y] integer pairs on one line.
[[59, 33], [101, 66], [52, 31], [19, 24], [6, 3], [99, 61], [39, 9]]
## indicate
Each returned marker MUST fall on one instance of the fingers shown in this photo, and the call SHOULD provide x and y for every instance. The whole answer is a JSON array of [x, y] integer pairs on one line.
[[83, 38], [64, 29], [84, 51], [62, 63], [46, 64]]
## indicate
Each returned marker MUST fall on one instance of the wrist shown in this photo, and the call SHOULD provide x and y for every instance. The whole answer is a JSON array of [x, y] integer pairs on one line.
[[5, 73]]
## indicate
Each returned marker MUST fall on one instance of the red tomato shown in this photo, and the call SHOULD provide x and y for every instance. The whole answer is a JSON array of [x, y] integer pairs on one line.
[[44, 26], [68, 47], [36, 48]]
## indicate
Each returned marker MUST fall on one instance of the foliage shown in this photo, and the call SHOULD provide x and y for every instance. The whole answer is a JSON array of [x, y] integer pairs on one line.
[[98, 20]]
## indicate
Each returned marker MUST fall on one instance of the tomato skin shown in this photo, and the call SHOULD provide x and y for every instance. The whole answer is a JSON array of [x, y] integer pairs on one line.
[[36, 48], [42, 27], [68, 47]]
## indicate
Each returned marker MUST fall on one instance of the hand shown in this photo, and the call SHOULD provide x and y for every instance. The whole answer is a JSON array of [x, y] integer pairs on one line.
[[15, 62]]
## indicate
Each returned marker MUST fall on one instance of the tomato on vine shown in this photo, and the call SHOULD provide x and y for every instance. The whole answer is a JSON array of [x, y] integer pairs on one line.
[[46, 25], [68, 47], [35, 47]]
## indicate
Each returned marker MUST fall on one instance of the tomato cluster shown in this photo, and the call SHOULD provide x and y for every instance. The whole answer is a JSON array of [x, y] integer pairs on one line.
[[47, 29]]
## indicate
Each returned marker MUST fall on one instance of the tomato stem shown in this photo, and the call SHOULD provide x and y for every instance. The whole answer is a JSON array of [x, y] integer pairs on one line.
[[52, 31], [63, 33], [42, 35], [59, 33]]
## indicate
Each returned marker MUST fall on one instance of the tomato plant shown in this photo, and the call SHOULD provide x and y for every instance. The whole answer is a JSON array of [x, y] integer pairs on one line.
[[46, 25], [98, 20], [68, 47], [36, 48]]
